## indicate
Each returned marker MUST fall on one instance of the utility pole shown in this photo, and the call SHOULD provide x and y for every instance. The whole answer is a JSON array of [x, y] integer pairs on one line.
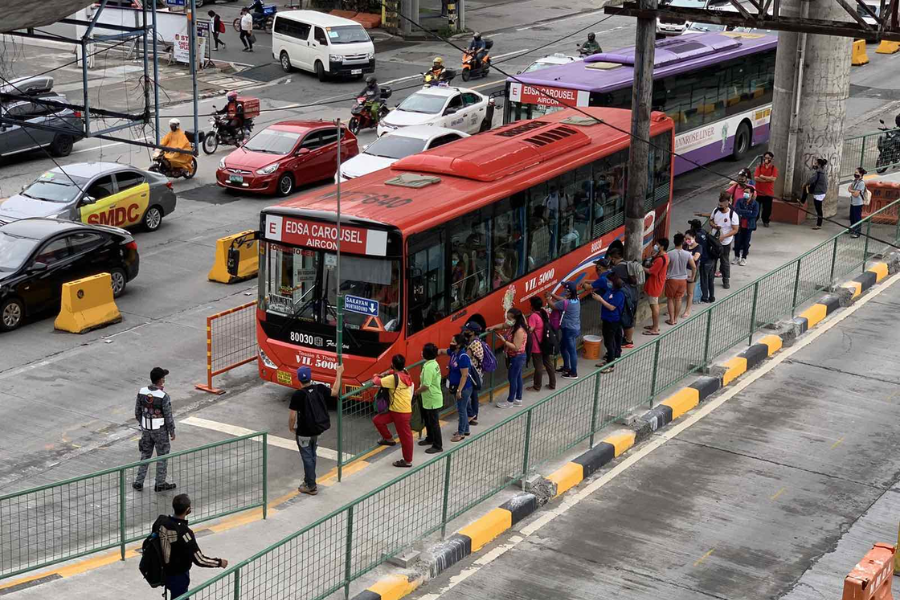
[[639, 152]]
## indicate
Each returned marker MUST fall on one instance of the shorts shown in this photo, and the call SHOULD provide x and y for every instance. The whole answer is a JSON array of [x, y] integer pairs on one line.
[[675, 288], [653, 299]]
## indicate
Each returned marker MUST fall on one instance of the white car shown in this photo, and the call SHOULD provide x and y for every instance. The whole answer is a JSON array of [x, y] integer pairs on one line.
[[454, 108], [671, 27], [549, 61], [395, 145]]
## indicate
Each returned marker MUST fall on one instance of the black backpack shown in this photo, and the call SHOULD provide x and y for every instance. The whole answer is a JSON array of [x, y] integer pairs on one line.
[[152, 565], [549, 338], [315, 413]]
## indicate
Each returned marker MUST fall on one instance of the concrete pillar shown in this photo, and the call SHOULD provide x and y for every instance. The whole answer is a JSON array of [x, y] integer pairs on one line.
[[783, 101]]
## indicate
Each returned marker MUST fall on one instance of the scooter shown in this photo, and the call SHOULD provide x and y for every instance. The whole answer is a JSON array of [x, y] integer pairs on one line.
[[163, 166], [888, 148], [469, 67], [429, 80], [361, 115], [261, 20], [220, 134]]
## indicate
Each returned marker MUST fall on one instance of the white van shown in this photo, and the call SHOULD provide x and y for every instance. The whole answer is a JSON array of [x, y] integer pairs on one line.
[[322, 43]]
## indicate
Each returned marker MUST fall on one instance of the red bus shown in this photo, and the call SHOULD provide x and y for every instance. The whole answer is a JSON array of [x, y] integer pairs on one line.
[[461, 232]]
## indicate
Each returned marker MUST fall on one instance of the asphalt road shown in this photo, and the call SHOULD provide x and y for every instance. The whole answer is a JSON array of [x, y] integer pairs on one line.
[[776, 493]]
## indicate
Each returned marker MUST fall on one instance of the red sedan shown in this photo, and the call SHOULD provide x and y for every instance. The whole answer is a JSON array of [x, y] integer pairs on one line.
[[286, 155]]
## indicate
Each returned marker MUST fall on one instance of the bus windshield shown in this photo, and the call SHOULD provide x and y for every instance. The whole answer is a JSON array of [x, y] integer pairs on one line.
[[300, 284]]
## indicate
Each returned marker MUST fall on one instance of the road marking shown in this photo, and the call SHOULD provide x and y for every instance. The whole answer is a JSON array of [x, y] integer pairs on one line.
[[704, 557], [571, 500], [236, 431], [837, 443], [778, 493]]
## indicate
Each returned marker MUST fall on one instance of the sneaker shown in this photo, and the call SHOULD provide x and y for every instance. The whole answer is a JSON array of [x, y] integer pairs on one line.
[[608, 370], [570, 376], [734, 260], [743, 262], [561, 370], [817, 227], [138, 486], [305, 489], [627, 345], [384, 442], [434, 450], [425, 442], [502, 404], [726, 285], [517, 403], [765, 224], [457, 438], [164, 487], [711, 300]]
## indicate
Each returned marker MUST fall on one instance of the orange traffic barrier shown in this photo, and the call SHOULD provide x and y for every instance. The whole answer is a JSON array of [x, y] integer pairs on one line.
[[871, 578], [883, 193], [859, 57]]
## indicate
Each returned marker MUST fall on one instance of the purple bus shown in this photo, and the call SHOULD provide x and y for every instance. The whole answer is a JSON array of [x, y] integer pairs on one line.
[[717, 87]]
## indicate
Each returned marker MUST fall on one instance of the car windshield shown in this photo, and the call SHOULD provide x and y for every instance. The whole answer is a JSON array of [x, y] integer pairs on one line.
[[272, 141], [395, 146], [537, 66], [55, 187], [347, 34], [706, 27], [14, 250], [428, 104]]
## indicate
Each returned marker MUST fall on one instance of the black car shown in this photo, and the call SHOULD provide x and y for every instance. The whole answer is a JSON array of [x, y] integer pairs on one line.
[[37, 256]]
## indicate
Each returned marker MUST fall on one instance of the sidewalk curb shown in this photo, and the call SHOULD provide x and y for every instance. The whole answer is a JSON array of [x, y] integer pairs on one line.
[[477, 534]]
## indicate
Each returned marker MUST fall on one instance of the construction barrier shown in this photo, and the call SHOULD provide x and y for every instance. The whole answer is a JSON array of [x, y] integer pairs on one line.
[[883, 194], [240, 249], [886, 47], [87, 304], [859, 56], [871, 578], [230, 342]]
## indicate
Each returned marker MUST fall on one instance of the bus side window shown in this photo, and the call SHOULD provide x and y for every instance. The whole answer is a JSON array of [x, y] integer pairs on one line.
[[508, 225], [543, 222], [427, 280], [575, 213], [470, 243]]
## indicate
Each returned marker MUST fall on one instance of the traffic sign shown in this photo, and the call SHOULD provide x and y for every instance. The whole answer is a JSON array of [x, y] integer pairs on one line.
[[363, 306], [175, 2]]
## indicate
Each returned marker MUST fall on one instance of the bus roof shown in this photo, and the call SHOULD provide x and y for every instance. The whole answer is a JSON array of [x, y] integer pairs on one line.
[[471, 172], [615, 70]]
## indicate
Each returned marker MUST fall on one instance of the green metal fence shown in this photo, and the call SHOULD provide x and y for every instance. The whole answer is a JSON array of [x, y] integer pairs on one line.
[[83, 515], [862, 151], [329, 554]]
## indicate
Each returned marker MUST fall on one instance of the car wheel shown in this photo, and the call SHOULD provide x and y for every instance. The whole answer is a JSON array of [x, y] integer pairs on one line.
[[119, 281], [153, 218], [12, 312], [320, 71], [286, 62], [62, 145], [285, 184]]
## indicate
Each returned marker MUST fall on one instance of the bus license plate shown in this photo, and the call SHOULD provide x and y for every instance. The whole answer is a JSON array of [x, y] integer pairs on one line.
[[284, 377], [236, 178], [356, 72]]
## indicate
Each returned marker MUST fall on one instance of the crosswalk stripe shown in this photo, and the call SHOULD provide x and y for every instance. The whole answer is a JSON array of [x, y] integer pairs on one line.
[[274, 440]]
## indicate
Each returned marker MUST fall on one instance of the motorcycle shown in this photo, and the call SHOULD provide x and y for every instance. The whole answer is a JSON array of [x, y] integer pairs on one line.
[[361, 115], [470, 66], [261, 20], [888, 148], [220, 134], [429, 80], [163, 166]]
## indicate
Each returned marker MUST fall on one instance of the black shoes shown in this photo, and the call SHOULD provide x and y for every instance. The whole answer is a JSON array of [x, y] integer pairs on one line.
[[138, 486], [163, 487]]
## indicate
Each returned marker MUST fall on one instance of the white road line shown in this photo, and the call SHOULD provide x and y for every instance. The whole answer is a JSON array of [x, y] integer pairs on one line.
[[658, 441], [234, 430]]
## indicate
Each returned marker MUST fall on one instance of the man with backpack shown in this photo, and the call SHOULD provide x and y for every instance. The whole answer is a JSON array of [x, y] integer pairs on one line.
[[153, 411], [724, 222], [622, 268], [483, 361], [710, 252], [171, 550], [216, 26], [309, 419]]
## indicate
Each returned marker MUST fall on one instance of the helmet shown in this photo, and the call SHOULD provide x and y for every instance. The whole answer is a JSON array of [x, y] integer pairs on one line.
[[439, 61], [591, 36], [371, 79], [231, 96], [477, 36], [174, 123]]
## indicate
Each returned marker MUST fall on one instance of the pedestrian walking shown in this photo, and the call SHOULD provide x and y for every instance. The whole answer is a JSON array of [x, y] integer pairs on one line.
[[765, 175], [724, 222], [858, 199], [696, 252], [747, 209], [568, 308], [472, 333], [515, 344], [308, 419], [216, 26], [680, 263], [817, 187], [707, 265], [542, 353], [656, 269], [432, 399], [247, 30], [399, 386], [153, 411], [612, 304], [459, 383], [179, 547]]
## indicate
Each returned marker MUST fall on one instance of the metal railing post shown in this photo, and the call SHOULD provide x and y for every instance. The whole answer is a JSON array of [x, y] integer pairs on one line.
[[527, 446], [653, 378], [594, 409], [340, 437], [265, 475], [122, 513], [862, 151], [708, 329], [753, 314], [796, 288], [866, 246], [833, 261], [493, 346], [449, 459], [348, 557], [237, 584]]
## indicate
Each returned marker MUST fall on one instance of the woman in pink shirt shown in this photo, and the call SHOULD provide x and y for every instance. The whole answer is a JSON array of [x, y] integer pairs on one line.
[[542, 361]]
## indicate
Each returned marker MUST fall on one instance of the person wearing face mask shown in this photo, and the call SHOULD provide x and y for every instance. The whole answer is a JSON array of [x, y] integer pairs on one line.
[[655, 282], [432, 399], [458, 277], [460, 384], [613, 303], [475, 349], [857, 200], [153, 411], [569, 325], [738, 189], [747, 209], [515, 344], [765, 175]]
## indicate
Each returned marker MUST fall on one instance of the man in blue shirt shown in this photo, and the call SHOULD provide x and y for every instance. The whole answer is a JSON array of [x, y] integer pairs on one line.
[[613, 304]]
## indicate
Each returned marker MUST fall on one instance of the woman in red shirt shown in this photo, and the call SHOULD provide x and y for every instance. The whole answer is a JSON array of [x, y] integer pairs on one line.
[[765, 176], [656, 281]]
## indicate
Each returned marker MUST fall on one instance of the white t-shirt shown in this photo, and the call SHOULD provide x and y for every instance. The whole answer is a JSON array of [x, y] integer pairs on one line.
[[247, 23], [728, 223]]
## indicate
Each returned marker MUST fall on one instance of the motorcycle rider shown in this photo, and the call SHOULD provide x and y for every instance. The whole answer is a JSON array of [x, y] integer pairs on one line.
[[257, 7], [476, 49], [437, 71], [590, 46], [176, 139], [234, 125], [372, 93]]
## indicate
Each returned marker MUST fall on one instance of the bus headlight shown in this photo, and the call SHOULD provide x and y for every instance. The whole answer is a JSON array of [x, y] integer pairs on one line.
[[266, 360]]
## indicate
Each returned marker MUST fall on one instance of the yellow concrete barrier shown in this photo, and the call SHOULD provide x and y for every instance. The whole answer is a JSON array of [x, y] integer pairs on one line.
[[244, 251], [87, 304], [859, 56], [886, 47]]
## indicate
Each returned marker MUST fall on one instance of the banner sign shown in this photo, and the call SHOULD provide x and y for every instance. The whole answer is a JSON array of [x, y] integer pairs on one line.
[[312, 234]]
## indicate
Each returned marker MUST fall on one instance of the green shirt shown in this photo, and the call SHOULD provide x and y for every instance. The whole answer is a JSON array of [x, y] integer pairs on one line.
[[430, 385]]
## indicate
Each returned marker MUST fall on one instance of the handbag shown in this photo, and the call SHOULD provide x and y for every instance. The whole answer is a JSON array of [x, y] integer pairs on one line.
[[383, 398], [867, 197], [252, 38], [556, 316]]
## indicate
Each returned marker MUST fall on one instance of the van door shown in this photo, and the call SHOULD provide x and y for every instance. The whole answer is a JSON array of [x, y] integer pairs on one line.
[[299, 46], [319, 49]]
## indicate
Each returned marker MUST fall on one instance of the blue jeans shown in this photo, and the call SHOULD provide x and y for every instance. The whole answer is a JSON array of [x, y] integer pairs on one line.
[[178, 584], [742, 243], [473, 403], [855, 217], [516, 366], [568, 351], [462, 409], [308, 454]]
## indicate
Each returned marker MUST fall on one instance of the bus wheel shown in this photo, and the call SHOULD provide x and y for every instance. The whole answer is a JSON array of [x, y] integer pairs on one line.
[[741, 142]]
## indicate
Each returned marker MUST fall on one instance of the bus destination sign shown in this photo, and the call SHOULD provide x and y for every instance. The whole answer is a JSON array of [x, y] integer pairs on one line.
[[312, 234], [551, 96]]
